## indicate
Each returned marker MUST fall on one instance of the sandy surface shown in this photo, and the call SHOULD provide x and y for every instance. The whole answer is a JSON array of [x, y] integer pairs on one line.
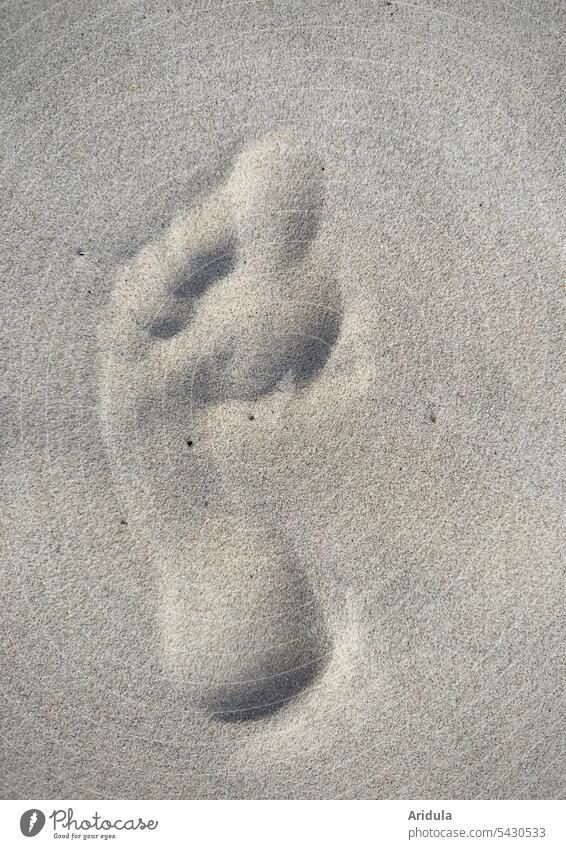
[[282, 400]]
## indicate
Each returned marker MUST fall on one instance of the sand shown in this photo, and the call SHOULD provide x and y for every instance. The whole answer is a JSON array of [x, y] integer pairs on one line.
[[282, 405]]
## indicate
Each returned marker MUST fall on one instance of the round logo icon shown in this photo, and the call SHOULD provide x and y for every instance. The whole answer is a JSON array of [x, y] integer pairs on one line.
[[31, 822]]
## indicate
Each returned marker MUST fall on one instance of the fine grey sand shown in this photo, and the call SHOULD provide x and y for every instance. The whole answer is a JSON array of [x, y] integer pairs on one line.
[[282, 401]]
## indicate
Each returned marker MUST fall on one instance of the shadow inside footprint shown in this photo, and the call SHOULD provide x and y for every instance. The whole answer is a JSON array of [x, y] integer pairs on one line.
[[267, 697], [316, 347], [165, 327], [205, 269], [221, 376]]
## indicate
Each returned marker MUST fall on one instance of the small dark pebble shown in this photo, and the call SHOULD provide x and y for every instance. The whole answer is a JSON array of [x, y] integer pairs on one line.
[[189, 442], [123, 522], [251, 418]]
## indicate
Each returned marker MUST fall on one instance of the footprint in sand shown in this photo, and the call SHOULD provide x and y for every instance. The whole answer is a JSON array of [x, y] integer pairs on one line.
[[225, 308]]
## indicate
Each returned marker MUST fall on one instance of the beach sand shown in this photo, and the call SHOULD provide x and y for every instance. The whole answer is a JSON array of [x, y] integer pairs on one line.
[[282, 400]]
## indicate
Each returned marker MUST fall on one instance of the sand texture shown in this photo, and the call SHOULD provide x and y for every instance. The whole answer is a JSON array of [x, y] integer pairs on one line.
[[282, 401]]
